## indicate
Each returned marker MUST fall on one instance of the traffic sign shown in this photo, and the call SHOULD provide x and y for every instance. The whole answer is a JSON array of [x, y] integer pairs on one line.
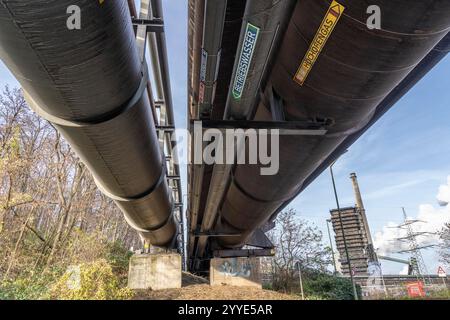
[[415, 289], [441, 272]]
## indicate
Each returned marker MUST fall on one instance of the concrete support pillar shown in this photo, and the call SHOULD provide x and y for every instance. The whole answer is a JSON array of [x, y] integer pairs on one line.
[[241, 272], [155, 271]]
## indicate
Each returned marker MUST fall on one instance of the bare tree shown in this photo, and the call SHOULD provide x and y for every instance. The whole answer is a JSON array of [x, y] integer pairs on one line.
[[49, 203], [445, 246], [296, 241]]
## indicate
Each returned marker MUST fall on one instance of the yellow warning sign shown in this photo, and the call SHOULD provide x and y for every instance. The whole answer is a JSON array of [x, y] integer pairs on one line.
[[326, 28]]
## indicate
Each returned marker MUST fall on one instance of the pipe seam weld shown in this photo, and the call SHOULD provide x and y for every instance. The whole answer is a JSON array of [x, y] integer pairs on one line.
[[248, 195], [161, 225], [95, 120], [141, 196]]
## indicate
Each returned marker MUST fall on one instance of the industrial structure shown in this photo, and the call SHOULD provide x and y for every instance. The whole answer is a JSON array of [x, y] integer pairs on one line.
[[357, 77], [416, 266], [356, 240], [411, 262], [352, 234], [310, 71], [353, 237], [93, 85]]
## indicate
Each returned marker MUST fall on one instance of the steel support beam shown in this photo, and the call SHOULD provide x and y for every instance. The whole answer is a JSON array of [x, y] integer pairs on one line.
[[150, 30], [152, 25], [285, 127], [244, 253]]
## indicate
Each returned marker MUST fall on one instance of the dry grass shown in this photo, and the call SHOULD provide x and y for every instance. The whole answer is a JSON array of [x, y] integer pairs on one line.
[[197, 288], [206, 292]]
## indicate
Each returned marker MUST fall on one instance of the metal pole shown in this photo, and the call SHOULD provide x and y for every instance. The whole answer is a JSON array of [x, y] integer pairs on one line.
[[445, 286], [382, 279], [300, 280], [184, 231], [355, 294], [331, 246]]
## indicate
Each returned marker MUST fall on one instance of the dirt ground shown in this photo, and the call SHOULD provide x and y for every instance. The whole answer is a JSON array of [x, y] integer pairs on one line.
[[197, 288]]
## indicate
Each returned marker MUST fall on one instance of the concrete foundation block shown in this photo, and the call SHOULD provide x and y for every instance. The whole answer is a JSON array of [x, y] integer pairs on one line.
[[155, 271], [241, 272]]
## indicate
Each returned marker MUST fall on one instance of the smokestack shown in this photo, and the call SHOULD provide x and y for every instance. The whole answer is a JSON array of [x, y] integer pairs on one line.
[[359, 202], [360, 206]]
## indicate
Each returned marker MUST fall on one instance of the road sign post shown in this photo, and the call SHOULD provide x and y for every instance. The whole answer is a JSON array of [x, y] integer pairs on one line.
[[300, 279], [442, 274]]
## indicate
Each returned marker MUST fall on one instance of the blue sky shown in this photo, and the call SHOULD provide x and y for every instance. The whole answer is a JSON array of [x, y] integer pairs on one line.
[[401, 161]]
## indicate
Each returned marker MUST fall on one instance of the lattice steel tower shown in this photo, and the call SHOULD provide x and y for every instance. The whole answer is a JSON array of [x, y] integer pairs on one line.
[[419, 268]]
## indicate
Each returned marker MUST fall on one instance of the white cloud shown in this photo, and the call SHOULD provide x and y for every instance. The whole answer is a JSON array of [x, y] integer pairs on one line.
[[443, 196], [393, 189], [404, 271], [393, 184], [433, 218]]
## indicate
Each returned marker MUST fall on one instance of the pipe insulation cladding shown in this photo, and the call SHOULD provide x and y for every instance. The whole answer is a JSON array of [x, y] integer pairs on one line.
[[270, 18], [358, 75], [91, 85]]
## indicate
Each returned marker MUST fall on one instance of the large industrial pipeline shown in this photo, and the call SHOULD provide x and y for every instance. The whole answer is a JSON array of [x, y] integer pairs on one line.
[[270, 17], [357, 77], [91, 85]]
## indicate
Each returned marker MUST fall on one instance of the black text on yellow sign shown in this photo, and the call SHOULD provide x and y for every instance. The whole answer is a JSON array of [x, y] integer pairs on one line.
[[326, 28]]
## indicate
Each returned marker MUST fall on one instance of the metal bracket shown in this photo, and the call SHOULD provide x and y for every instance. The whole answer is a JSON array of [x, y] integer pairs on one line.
[[165, 128], [276, 106], [260, 240], [244, 253], [198, 234], [153, 25], [269, 225]]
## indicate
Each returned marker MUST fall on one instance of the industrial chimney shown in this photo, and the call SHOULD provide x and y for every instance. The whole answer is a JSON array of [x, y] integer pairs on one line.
[[359, 202], [362, 212]]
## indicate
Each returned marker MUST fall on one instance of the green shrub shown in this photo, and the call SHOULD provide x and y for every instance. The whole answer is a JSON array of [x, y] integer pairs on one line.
[[29, 286], [326, 286], [441, 294], [267, 286], [83, 250], [119, 258], [95, 281], [313, 297], [22, 289]]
